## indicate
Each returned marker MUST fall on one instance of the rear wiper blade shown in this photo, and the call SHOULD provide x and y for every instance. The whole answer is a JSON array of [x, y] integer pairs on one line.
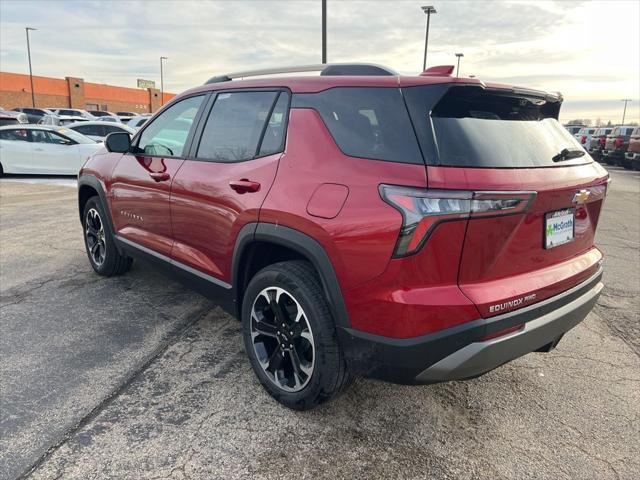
[[566, 154]]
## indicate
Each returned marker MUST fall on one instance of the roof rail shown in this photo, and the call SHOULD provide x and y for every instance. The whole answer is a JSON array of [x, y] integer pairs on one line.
[[325, 69]]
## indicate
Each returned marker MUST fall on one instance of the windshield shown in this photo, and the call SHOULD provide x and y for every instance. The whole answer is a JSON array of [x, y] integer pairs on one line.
[[75, 136], [474, 127]]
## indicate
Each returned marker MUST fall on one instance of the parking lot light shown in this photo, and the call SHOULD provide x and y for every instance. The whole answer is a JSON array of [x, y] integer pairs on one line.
[[428, 10], [33, 95], [459, 55], [162, 81], [624, 112]]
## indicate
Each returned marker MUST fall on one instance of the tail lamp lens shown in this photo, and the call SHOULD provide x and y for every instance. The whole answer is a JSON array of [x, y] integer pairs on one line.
[[583, 140], [422, 210], [617, 142], [602, 141]]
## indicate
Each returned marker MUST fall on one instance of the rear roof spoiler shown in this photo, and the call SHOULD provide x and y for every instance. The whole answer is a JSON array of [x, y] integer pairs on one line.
[[438, 71]]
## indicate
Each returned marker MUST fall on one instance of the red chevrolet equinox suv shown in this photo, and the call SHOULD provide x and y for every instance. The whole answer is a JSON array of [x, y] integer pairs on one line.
[[415, 229]]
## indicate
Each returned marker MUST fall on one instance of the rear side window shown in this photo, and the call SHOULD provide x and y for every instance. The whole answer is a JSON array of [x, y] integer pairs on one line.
[[474, 127], [14, 135], [366, 122], [273, 140], [235, 126]]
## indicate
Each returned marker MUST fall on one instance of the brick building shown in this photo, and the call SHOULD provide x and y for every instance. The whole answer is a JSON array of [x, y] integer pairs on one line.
[[15, 91]]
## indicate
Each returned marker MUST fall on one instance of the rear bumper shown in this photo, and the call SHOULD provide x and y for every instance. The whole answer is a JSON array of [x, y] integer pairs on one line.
[[633, 156], [459, 352]]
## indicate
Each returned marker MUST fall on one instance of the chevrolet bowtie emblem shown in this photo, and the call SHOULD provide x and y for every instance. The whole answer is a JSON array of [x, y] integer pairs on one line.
[[581, 196]]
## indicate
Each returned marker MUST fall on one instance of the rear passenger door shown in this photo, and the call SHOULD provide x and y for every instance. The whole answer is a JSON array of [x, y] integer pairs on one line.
[[224, 181]]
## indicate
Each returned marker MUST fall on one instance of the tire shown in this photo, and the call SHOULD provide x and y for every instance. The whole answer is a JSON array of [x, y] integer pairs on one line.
[[322, 372], [1, 171], [99, 243]]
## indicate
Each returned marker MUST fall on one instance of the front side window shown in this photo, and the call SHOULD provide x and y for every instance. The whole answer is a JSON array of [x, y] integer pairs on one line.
[[235, 125], [90, 130], [112, 129], [167, 135]]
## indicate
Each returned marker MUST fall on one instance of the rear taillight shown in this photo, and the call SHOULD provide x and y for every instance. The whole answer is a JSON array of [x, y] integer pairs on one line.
[[422, 210], [602, 141], [583, 140], [618, 142]]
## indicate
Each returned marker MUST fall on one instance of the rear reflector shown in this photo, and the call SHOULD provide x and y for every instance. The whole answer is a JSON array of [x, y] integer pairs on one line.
[[422, 210], [501, 333]]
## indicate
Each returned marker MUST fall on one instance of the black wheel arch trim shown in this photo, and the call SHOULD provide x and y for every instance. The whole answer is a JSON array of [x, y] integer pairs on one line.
[[300, 243], [93, 182]]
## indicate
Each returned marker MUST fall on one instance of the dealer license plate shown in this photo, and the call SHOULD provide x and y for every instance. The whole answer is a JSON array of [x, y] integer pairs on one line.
[[559, 228]]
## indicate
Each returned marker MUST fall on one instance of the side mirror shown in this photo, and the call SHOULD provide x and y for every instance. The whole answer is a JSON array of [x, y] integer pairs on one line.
[[118, 142]]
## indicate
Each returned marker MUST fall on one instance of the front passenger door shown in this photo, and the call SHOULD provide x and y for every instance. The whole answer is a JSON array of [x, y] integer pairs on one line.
[[142, 178]]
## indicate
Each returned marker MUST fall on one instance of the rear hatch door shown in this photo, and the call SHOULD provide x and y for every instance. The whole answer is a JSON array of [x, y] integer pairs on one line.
[[537, 195]]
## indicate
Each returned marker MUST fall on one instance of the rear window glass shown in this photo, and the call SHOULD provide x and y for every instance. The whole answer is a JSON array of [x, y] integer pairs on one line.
[[474, 127], [366, 122]]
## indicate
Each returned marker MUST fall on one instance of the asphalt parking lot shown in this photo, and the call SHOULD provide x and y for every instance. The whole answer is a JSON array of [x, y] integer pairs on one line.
[[137, 377]]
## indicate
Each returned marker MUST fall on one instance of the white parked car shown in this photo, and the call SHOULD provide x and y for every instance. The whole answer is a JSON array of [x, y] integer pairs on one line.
[[102, 113], [73, 112], [99, 129], [573, 128], [41, 149], [126, 116], [109, 119], [137, 121], [60, 120]]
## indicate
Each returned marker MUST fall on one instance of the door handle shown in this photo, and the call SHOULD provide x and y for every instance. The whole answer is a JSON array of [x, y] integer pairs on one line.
[[38, 149], [159, 176], [244, 185]]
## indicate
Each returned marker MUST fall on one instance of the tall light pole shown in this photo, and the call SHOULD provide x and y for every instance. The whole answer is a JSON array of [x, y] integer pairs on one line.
[[33, 95], [428, 10], [624, 112], [324, 31], [162, 81], [459, 55]]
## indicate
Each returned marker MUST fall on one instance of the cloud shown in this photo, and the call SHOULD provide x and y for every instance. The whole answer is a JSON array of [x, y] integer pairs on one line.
[[561, 45]]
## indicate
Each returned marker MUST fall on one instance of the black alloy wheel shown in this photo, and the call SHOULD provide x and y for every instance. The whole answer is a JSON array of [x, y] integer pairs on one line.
[[282, 339], [95, 237]]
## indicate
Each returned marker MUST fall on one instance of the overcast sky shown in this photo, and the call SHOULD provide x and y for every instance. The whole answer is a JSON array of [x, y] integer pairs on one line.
[[590, 51]]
